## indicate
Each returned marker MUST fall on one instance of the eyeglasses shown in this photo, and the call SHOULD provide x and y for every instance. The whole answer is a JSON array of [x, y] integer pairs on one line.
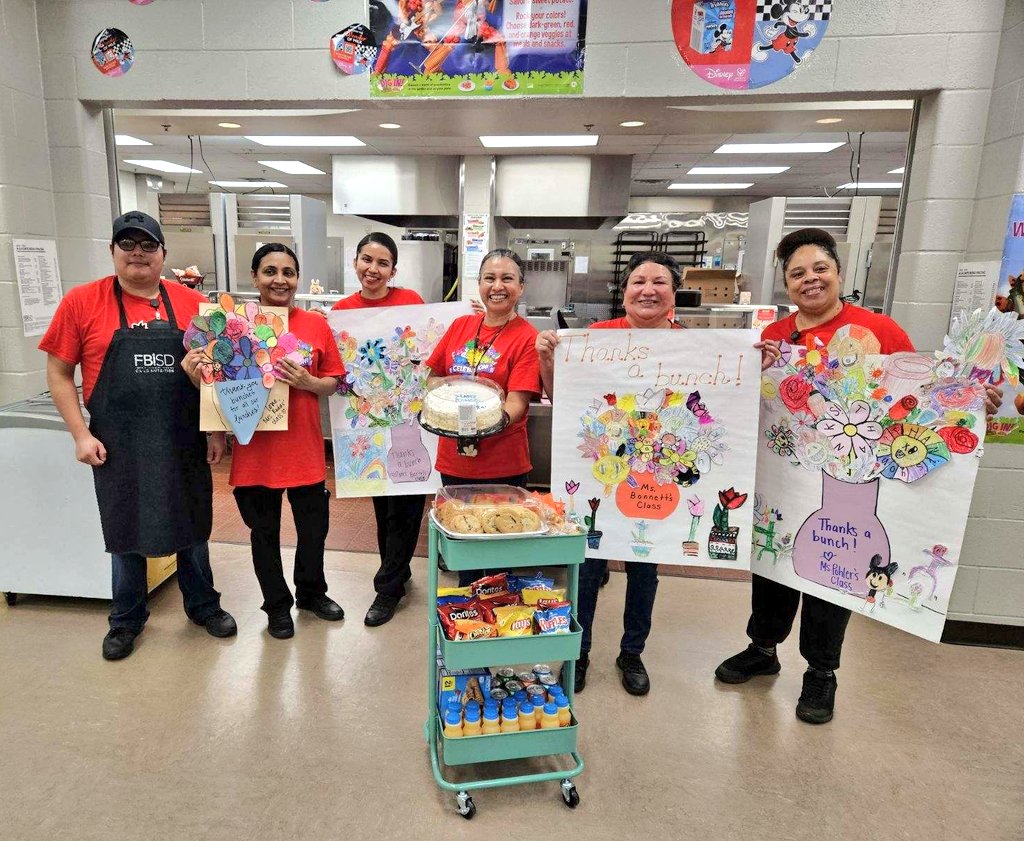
[[128, 244]]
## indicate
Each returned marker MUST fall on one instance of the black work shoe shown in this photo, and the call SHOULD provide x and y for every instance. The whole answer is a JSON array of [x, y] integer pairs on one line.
[[323, 607], [118, 643], [634, 676], [280, 625], [220, 623], [381, 611], [818, 698], [580, 679], [743, 666]]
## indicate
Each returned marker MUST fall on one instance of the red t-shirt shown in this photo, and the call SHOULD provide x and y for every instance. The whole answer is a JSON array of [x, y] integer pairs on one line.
[[889, 334], [396, 297], [294, 457], [87, 317], [623, 324], [511, 362]]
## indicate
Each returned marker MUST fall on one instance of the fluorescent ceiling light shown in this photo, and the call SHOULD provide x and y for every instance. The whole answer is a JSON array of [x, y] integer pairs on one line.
[[633, 124], [128, 140], [244, 184], [234, 113], [162, 166], [305, 140], [827, 121], [229, 125], [897, 171], [390, 125], [776, 148], [809, 105], [872, 185], [736, 170], [293, 167], [536, 141], [681, 186]]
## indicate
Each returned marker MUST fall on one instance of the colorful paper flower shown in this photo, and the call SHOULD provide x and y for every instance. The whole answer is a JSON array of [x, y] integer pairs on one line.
[[959, 439], [902, 408], [908, 451], [794, 391], [769, 388], [695, 505], [850, 431], [780, 440]]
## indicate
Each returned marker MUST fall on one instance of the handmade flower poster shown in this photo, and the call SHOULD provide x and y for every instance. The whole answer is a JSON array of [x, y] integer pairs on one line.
[[653, 442], [240, 391], [1007, 427], [866, 464], [379, 447]]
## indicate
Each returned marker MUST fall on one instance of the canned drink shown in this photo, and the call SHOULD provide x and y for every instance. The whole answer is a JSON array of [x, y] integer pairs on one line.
[[536, 689], [547, 681], [526, 678], [506, 673], [512, 686], [541, 669], [498, 694]]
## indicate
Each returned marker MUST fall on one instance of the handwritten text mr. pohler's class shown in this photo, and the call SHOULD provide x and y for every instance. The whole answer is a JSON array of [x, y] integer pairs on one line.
[[581, 349]]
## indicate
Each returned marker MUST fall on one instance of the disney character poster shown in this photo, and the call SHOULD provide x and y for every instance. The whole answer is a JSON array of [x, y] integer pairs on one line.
[[379, 447], [743, 44], [866, 464], [653, 442], [1007, 427], [477, 47]]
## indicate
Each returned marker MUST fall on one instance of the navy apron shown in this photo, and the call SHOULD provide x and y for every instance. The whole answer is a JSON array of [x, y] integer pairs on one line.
[[155, 491]]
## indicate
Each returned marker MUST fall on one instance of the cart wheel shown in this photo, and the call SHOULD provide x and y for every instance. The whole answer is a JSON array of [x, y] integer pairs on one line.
[[570, 795], [465, 805], [12, 598]]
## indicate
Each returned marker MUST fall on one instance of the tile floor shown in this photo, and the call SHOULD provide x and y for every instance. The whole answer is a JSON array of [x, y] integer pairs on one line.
[[321, 736]]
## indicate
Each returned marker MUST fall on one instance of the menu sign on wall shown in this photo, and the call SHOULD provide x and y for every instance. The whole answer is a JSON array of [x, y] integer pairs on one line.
[[35, 261]]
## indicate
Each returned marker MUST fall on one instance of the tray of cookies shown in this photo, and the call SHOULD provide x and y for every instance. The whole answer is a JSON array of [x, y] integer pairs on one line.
[[487, 512]]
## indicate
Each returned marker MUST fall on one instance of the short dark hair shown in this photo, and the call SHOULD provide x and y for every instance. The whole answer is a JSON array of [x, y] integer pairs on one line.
[[659, 257], [806, 236], [271, 248], [380, 238], [497, 254]]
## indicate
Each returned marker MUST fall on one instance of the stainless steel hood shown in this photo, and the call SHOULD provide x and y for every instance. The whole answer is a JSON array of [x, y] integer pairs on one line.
[[562, 186], [395, 185]]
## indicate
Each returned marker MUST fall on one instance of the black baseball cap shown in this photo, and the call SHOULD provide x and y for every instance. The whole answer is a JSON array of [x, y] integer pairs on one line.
[[136, 220]]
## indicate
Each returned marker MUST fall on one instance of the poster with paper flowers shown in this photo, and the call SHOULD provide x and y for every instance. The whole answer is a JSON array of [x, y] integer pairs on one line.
[[379, 447], [653, 439], [865, 467], [239, 391]]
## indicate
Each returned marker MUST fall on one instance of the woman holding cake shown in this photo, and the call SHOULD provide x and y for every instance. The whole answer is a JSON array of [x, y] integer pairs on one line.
[[398, 517], [291, 460], [496, 345]]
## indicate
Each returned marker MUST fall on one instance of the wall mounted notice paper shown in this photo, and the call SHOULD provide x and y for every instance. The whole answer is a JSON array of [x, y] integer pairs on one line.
[[379, 447], [866, 466], [653, 442], [35, 262], [975, 287]]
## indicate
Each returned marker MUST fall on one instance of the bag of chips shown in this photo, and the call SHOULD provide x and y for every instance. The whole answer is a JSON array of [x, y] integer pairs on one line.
[[537, 582], [554, 619], [490, 586], [534, 595], [449, 614], [514, 621], [467, 629]]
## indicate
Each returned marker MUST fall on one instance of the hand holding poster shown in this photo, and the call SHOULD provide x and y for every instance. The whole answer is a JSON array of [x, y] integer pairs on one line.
[[653, 437]]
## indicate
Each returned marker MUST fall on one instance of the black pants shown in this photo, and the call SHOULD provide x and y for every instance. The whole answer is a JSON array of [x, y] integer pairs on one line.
[[468, 576], [822, 624], [260, 508], [641, 587], [398, 529]]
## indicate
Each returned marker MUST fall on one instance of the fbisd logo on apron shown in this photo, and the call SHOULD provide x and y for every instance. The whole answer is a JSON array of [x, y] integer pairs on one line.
[[146, 363]]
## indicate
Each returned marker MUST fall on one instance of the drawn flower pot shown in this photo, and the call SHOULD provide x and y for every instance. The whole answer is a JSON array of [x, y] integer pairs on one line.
[[593, 535], [835, 544], [408, 459], [691, 548], [722, 543]]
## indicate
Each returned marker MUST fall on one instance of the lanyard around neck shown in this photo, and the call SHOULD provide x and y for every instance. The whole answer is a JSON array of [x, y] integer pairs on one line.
[[476, 338]]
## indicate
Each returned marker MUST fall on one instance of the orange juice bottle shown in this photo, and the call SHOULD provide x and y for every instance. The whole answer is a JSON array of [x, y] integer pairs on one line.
[[453, 722], [527, 720], [564, 713], [491, 723], [538, 708], [509, 718], [471, 725], [549, 717]]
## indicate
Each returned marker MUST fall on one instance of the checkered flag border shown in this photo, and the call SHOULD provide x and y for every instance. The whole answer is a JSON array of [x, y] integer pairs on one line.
[[819, 11]]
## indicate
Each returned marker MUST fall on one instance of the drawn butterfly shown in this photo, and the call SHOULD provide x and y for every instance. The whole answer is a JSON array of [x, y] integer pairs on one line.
[[700, 411]]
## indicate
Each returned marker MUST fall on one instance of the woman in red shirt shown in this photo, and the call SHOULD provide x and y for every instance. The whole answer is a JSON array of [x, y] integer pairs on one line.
[[497, 345], [293, 460], [398, 517]]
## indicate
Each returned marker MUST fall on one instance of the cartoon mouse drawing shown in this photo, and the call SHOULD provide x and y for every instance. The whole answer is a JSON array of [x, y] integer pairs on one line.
[[785, 30], [879, 578], [721, 38]]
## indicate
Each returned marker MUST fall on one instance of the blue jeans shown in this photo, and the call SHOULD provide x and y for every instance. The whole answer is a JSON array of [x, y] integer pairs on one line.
[[195, 580], [641, 587]]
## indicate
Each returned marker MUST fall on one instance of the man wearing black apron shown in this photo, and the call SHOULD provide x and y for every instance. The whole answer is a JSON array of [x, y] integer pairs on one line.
[[151, 464]]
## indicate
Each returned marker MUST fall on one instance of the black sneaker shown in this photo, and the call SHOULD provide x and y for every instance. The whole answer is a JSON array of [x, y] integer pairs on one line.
[[381, 611], [580, 679], [323, 607], [280, 625], [818, 698], [118, 643], [743, 666], [220, 623], [634, 676]]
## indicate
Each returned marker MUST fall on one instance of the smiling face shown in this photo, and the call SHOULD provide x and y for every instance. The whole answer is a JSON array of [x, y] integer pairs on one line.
[[813, 281], [375, 267], [876, 580], [797, 12], [649, 297], [137, 268], [501, 287], [276, 279]]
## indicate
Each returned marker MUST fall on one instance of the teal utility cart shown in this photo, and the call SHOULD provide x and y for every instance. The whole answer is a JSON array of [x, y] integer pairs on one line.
[[527, 553]]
